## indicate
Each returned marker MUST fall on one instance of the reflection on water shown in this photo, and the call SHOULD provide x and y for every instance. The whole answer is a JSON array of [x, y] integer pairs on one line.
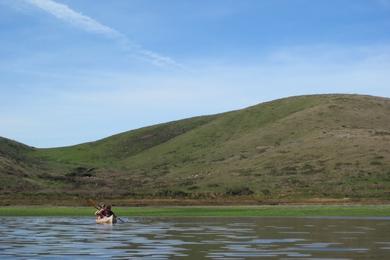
[[196, 238]]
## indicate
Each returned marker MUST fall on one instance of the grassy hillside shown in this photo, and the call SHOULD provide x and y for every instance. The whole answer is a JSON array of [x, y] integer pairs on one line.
[[14, 166], [320, 146]]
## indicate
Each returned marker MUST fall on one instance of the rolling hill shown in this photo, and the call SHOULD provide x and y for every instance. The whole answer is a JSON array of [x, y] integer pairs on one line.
[[297, 148]]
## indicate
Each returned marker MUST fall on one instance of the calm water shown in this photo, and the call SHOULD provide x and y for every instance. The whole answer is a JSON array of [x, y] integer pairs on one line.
[[196, 238]]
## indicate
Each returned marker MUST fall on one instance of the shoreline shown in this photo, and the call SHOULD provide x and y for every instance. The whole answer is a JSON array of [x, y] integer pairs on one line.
[[207, 211], [80, 201]]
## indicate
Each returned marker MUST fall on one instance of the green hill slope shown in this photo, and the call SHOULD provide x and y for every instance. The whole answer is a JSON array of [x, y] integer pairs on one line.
[[14, 166], [319, 146]]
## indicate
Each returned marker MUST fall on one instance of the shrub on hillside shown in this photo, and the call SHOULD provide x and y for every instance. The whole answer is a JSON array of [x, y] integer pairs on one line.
[[239, 191]]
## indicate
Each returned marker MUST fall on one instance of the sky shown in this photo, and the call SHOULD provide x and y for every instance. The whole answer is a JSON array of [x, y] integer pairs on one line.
[[74, 71]]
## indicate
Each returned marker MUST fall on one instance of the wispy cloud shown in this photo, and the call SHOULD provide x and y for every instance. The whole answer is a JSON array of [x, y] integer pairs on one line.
[[88, 24]]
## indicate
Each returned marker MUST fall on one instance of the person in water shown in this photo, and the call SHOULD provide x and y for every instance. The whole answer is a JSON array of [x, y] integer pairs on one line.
[[104, 211]]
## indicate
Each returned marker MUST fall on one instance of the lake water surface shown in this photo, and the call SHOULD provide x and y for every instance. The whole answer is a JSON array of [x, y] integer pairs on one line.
[[195, 238]]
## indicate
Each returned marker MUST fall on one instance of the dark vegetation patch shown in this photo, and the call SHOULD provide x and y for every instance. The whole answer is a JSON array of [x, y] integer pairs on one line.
[[81, 172], [239, 191]]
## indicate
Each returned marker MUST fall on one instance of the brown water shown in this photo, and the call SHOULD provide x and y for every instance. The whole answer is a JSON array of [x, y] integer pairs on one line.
[[196, 238]]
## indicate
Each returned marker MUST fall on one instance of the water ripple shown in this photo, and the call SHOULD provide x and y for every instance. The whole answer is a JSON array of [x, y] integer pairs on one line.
[[197, 238]]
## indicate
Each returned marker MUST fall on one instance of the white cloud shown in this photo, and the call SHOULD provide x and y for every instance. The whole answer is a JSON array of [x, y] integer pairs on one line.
[[63, 12], [88, 24]]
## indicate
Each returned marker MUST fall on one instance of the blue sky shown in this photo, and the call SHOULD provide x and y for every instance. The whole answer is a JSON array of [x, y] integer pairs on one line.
[[73, 71]]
